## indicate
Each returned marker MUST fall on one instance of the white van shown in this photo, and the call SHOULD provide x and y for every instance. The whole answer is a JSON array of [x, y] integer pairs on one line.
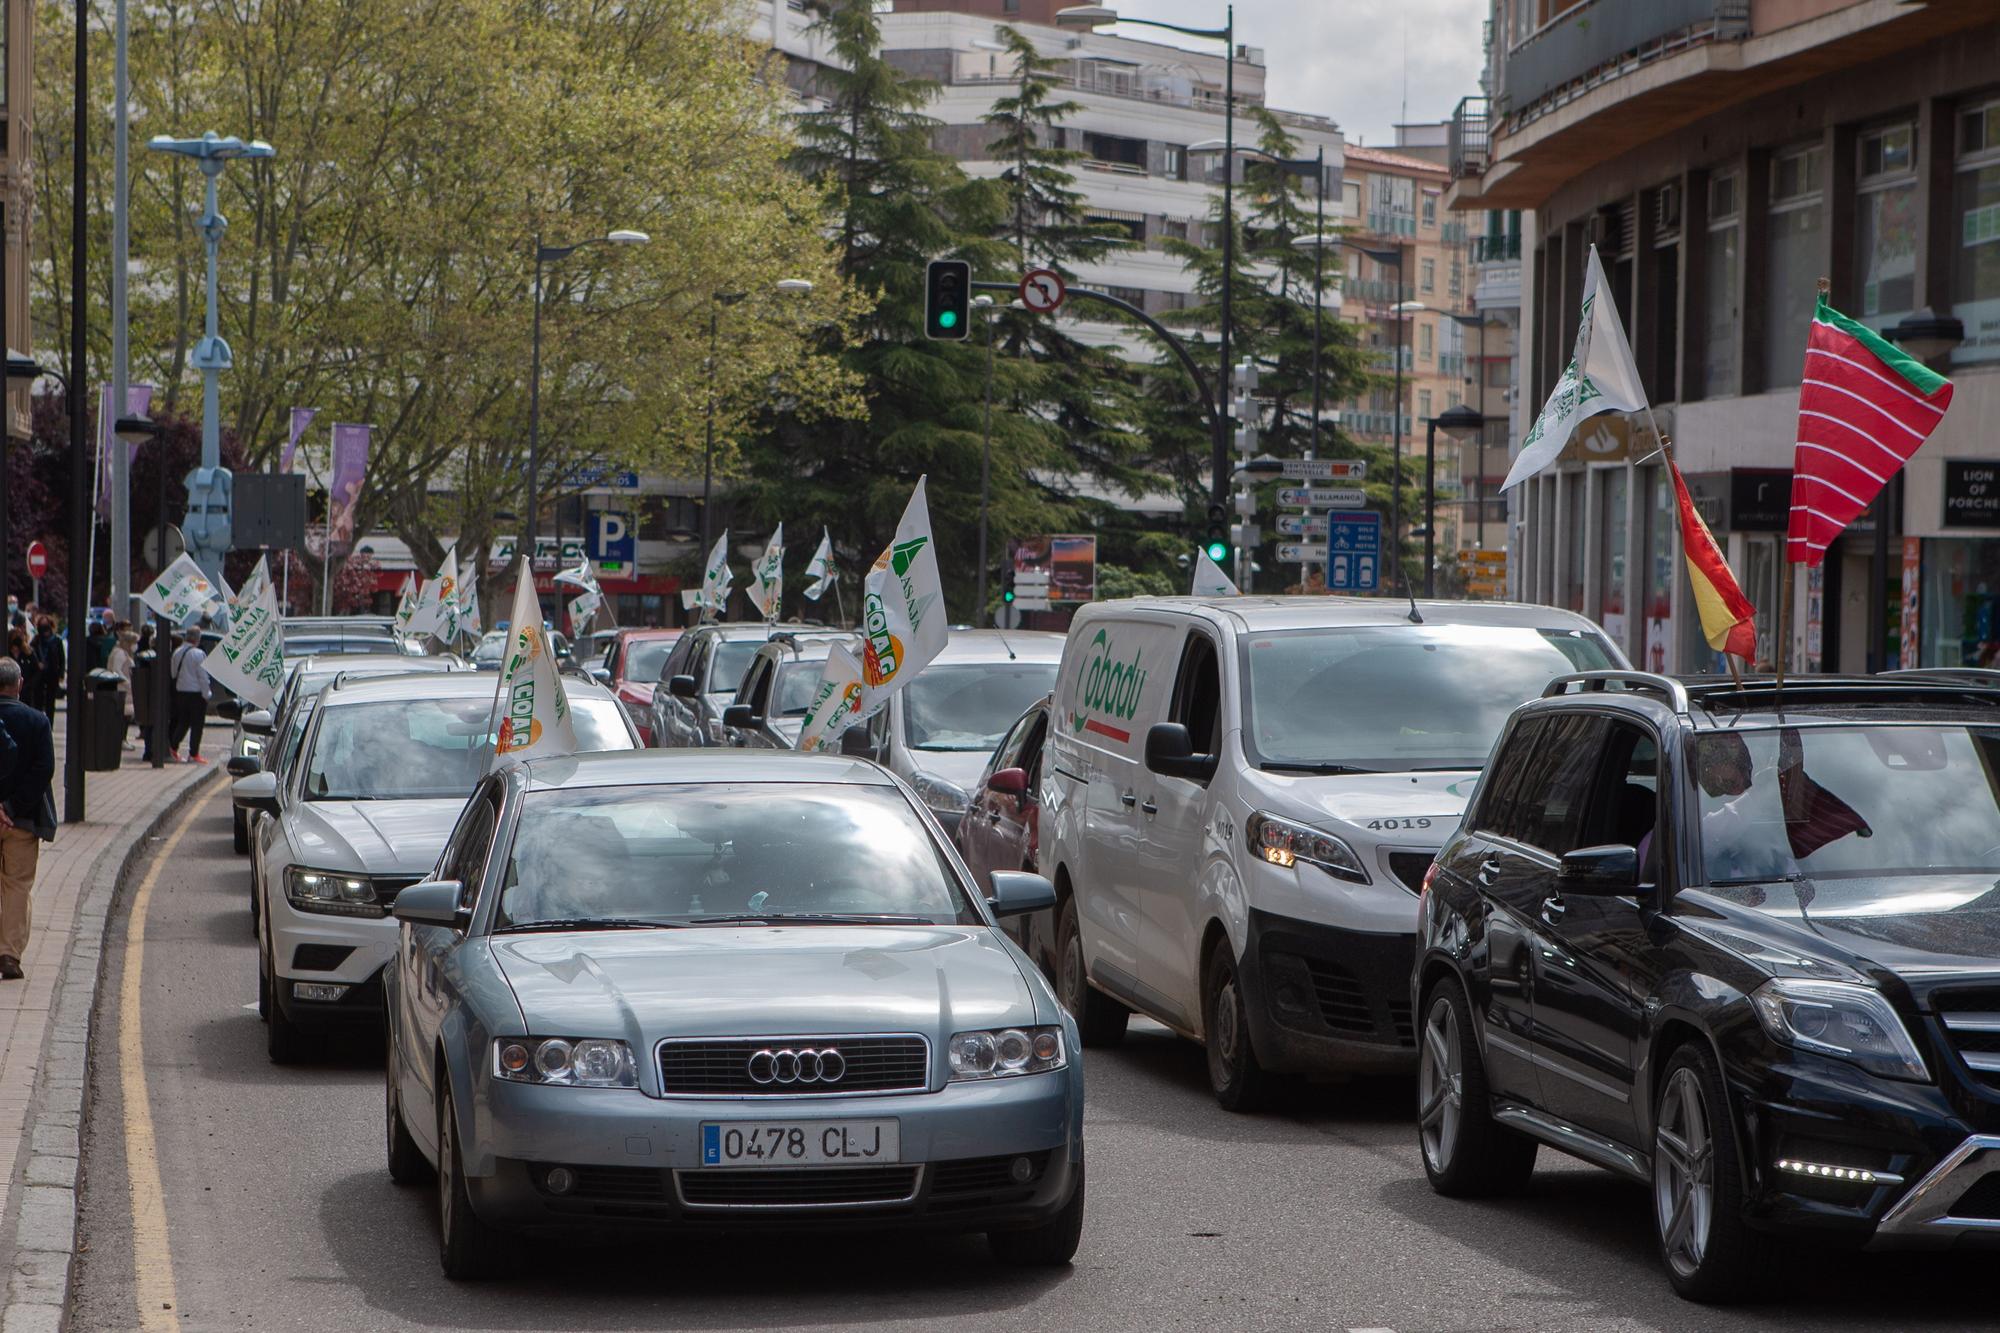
[[1240, 799]]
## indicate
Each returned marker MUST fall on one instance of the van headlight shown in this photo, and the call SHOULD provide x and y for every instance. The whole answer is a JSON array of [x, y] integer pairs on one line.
[[1004, 1052], [938, 794], [1840, 1019], [1282, 843]]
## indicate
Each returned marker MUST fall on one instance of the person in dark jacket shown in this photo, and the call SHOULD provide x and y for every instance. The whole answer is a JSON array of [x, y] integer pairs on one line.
[[51, 666], [27, 812]]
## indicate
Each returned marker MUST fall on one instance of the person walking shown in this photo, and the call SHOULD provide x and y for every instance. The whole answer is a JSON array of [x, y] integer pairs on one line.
[[122, 661], [51, 666], [27, 812], [190, 670]]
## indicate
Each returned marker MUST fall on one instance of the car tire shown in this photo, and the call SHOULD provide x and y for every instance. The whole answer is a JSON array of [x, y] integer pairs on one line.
[[406, 1161], [240, 833], [1239, 1081], [1050, 1245], [284, 1041], [1100, 1020], [1711, 1253], [263, 988], [1467, 1154], [468, 1249], [256, 902]]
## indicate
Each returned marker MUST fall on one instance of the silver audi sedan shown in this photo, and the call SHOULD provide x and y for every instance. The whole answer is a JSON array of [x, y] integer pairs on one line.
[[716, 989]]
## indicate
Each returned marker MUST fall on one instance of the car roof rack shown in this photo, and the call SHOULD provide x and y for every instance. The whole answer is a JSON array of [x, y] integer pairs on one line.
[[1637, 682], [1941, 685]]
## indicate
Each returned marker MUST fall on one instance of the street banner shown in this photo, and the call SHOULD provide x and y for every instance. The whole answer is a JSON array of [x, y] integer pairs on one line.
[[446, 628], [350, 465], [836, 703], [250, 659], [534, 711], [902, 607], [1210, 581], [302, 417], [182, 592], [1728, 621], [138, 400], [1600, 377], [820, 572], [715, 579], [406, 602], [767, 576], [253, 587]]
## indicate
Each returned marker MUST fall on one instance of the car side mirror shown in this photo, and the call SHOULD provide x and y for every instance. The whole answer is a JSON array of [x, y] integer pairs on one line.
[[856, 743], [432, 902], [1010, 782], [1170, 753], [740, 716], [243, 765], [230, 708], [258, 790], [1017, 892], [602, 675], [1606, 871], [259, 720], [683, 687]]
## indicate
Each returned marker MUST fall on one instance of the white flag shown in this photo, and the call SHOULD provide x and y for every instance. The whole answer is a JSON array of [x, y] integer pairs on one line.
[[469, 623], [183, 592], [424, 612], [902, 607], [253, 587], [820, 571], [580, 577], [448, 608], [836, 702], [715, 579], [250, 659], [406, 604], [1600, 377], [1210, 581], [534, 711], [767, 576], [583, 610]]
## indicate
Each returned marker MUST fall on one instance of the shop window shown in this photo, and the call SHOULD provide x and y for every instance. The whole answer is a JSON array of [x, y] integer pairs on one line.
[[1886, 224], [1723, 345], [1794, 230], [1975, 280]]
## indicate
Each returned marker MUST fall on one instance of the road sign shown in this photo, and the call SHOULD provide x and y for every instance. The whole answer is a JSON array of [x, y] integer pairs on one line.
[[1302, 525], [1325, 469], [1042, 290], [1031, 589], [1482, 557], [1485, 588], [1354, 552], [1301, 553], [270, 510], [610, 537], [38, 560], [1322, 497]]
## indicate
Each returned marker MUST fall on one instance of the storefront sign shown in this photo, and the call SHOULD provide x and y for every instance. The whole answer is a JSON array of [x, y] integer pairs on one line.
[[1760, 499], [1971, 494], [1615, 437]]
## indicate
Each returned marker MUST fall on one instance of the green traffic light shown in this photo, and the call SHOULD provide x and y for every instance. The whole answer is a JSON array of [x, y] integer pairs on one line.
[[948, 319], [1007, 596], [1218, 551]]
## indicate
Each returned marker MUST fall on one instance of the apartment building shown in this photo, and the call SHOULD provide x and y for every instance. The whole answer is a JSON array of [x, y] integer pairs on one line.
[[1722, 156]]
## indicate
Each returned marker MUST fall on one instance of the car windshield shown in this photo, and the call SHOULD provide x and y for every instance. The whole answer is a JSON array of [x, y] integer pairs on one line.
[[732, 659], [489, 649], [644, 660], [1848, 802], [970, 707], [700, 853], [404, 749], [1398, 698]]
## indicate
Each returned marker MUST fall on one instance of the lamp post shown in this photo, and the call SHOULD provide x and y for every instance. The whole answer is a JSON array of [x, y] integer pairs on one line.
[[141, 430], [1094, 16], [783, 286], [208, 518], [1480, 322], [1460, 423]]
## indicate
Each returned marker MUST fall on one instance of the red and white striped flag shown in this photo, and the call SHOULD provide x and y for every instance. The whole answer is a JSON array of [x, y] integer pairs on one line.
[[1864, 407]]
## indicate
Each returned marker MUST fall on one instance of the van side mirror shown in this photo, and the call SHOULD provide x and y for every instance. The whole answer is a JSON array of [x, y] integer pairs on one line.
[[1017, 892], [740, 716], [602, 675], [1170, 753], [1605, 871], [433, 902], [683, 687], [259, 790]]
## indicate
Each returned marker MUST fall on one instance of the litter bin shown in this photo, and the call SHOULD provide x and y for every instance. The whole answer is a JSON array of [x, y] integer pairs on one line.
[[103, 722]]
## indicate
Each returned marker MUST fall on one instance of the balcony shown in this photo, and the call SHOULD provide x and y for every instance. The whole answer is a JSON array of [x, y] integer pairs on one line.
[[1374, 291], [1384, 222], [1602, 39], [1383, 360], [1468, 146], [1451, 363]]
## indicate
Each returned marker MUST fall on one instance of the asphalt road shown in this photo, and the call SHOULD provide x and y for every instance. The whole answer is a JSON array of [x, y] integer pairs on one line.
[[279, 1214]]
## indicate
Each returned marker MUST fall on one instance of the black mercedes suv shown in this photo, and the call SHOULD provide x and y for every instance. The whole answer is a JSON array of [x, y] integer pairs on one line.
[[1740, 943]]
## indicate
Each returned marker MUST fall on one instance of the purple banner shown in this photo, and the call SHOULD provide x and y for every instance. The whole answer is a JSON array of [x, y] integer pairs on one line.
[[301, 418], [350, 464], [138, 399]]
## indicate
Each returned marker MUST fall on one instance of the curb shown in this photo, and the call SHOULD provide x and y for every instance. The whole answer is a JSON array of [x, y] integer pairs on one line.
[[43, 1243]]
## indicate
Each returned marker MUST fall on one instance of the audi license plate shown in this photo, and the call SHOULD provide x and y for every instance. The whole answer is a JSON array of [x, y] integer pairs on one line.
[[798, 1143]]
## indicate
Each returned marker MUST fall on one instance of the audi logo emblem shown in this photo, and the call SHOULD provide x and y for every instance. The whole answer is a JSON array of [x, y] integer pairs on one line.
[[789, 1066]]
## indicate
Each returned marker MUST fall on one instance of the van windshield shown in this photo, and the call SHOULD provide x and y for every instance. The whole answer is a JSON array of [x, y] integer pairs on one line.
[[1398, 698]]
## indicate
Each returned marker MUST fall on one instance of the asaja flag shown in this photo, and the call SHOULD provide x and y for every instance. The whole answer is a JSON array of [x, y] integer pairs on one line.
[[902, 607], [1864, 407], [767, 576], [406, 603], [715, 578], [446, 628], [250, 659], [836, 703], [253, 587], [302, 417], [1600, 377], [182, 592], [1210, 581], [820, 572], [534, 712], [1728, 621]]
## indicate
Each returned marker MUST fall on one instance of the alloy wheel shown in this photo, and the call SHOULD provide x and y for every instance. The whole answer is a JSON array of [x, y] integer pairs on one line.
[[1684, 1173], [1440, 1084]]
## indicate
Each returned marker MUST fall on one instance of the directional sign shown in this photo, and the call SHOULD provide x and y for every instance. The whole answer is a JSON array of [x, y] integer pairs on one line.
[[1354, 552], [38, 560], [1326, 469], [1321, 497], [1302, 525], [1301, 553], [1042, 290]]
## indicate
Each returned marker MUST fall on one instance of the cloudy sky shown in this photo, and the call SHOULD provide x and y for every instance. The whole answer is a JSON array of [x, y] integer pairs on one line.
[[1353, 60]]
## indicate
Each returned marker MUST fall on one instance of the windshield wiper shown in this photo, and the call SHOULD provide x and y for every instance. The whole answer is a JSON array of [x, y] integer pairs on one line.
[[587, 923], [815, 918], [1322, 770]]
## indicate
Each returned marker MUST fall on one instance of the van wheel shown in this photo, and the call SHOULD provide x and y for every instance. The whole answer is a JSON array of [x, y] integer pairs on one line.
[[1100, 1019], [1240, 1082], [1711, 1255], [1466, 1153]]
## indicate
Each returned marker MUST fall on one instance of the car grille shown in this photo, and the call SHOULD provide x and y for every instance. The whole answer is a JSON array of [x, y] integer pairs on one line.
[[1346, 1008], [720, 1067], [1409, 868], [1972, 1021], [809, 1187]]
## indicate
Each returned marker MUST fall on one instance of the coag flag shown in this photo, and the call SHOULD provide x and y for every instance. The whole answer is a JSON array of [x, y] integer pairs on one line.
[[406, 603], [902, 607], [1210, 581], [534, 712], [302, 417], [138, 400], [715, 579], [820, 573], [835, 703], [182, 592], [253, 587], [767, 576], [350, 465], [1728, 621], [250, 659], [1865, 406], [1600, 377]]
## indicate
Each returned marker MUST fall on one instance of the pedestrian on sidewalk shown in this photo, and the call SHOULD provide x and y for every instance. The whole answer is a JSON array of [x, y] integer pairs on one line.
[[122, 662], [190, 669], [51, 663], [27, 813]]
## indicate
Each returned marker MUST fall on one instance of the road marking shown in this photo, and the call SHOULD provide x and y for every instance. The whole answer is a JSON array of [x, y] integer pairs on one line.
[[152, 1258]]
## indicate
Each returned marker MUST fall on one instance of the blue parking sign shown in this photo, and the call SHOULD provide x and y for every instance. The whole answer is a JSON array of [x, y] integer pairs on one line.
[[1353, 552]]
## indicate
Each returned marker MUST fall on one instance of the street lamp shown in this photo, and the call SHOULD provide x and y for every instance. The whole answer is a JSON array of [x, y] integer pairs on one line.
[[784, 287], [1093, 16], [549, 254], [1459, 423], [136, 430]]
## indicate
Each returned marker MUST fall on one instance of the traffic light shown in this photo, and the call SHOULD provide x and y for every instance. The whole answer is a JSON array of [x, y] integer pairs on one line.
[[948, 300], [1007, 584], [1218, 534]]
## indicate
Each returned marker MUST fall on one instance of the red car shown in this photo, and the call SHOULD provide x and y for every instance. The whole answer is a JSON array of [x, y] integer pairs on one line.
[[632, 668], [1000, 829]]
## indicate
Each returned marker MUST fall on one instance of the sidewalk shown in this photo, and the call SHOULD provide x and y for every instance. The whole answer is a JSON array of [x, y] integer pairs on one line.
[[45, 1024]]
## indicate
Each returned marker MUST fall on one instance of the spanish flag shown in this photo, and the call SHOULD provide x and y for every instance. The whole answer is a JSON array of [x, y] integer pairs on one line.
[[1727, 618]]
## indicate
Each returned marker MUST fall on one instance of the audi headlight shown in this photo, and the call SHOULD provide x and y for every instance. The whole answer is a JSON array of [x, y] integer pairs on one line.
[[938, 794], [333, 892], [570, 1062], [1004, 1052], [1840, 1019], [1283, 843]]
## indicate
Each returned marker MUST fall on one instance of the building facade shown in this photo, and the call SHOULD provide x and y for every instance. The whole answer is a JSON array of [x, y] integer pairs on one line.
[[1723, 156], [17, 66]]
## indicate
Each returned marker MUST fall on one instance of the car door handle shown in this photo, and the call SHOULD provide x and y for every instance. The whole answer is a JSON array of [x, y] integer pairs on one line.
[[1489, 870], [1552, 910], [1128, 800], [1150, 808]]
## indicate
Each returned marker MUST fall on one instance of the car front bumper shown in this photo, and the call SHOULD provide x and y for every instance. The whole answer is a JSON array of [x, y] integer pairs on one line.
[[314, 949]]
